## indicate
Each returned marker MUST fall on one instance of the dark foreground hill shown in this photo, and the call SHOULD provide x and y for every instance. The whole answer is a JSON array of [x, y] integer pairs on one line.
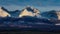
[[26, 20], [28, 23]]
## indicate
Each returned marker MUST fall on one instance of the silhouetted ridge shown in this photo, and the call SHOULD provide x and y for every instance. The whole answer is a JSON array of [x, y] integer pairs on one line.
[[4, 9]]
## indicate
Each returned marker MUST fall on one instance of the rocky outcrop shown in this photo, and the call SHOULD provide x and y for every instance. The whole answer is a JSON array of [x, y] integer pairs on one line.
[[3, 12]]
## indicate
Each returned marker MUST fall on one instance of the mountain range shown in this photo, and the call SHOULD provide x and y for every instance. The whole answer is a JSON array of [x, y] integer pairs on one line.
[[29, 11]]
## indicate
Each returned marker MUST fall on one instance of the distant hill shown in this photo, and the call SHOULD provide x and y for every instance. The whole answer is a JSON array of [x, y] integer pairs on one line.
[[50, 14]]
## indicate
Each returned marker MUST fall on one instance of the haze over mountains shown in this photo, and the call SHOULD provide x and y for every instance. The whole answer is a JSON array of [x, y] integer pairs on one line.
[[29, 11]]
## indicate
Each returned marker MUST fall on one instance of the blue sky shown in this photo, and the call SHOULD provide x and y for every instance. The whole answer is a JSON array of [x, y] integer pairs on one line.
[[42, 5]]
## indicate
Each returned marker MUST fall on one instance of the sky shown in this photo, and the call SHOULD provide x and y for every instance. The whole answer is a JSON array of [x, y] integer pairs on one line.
[[42, 5]]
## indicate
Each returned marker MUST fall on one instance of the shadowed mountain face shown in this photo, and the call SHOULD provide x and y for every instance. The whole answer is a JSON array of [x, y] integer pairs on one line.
[[15, 13]]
